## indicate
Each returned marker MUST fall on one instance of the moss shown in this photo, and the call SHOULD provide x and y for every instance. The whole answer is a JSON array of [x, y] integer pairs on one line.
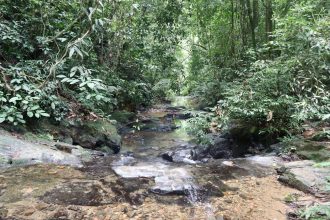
[[322, 136], [290, 179], [323, 164], [310, 150], [104, 127], [292, 197], [318, 156], [41, 136]]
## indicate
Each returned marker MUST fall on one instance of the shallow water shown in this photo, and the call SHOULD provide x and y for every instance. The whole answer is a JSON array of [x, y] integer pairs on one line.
[[139, 184]]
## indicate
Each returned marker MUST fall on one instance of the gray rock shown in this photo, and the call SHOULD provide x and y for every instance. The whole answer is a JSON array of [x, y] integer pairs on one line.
[[15, 151], [179, 156], [168, 180], [98, 135], [304, 176], [220, 147]]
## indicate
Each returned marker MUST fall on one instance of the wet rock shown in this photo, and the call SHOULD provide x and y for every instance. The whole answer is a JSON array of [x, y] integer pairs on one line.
[[179, 115], [160, 127], [83, 193], [311, 150], [175, 108], [99, 134], [268, 160], [167, 180], [305, 176], [221, 147], [29, 212], [123, 116], [176, 181], [125, 160], [180, 156], [65, 147], [15, 151]]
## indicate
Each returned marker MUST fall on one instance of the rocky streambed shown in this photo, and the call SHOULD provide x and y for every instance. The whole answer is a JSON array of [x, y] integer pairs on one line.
[[158, 174]]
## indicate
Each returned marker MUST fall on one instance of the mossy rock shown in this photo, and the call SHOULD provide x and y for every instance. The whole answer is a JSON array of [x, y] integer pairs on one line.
[[318, 156], [123, 116], [99, 134], [291, 180], [322, 136], [312, 150]]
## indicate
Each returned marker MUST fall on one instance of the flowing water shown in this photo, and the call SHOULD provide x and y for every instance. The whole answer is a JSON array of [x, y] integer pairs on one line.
[[139, 184]]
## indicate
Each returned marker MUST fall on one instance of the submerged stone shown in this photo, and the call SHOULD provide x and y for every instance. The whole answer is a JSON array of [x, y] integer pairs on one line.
[[167, 179]]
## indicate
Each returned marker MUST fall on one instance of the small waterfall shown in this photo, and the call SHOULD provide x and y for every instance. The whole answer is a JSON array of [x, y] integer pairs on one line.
[[194, 198], [192, 193]]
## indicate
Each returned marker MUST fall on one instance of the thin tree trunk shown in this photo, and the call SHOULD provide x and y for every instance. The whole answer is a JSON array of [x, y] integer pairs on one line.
[[252, 14], [269, 19], [242, 22], [232, 28]]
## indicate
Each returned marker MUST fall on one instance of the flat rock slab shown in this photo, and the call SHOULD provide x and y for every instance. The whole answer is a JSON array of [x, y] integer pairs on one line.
[[15, 151], [167, 179], [305, 176], [267, 161]]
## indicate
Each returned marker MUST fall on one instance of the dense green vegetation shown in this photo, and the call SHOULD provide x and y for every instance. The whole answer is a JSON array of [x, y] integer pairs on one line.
[[82, 56], [264, 63]]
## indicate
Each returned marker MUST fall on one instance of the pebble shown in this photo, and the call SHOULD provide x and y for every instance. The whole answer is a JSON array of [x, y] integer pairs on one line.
[[29, 212]]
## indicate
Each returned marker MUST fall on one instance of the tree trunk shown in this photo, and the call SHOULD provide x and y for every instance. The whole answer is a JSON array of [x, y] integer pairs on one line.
[[269, 19], [232, 48], [253, 15], [242, 22]]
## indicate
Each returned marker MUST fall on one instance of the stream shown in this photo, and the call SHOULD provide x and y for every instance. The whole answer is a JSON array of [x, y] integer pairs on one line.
[[139, 183]]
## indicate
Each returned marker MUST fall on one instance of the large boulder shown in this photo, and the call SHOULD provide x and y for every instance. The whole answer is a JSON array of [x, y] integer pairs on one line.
[[15, 150], [98, 135], [220, 147], [306, 176]]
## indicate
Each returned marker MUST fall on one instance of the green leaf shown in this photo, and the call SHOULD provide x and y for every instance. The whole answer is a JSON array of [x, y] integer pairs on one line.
[[35, 107], [61, 39], [91, 85], [79, 52], [44, 114], [72, 50], [2, 120], [13, 100], [30, 114], [11, 119], [82, 84]]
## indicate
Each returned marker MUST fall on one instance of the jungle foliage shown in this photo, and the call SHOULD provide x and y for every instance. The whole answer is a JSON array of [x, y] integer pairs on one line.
[[264, 63], [67, 57]]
